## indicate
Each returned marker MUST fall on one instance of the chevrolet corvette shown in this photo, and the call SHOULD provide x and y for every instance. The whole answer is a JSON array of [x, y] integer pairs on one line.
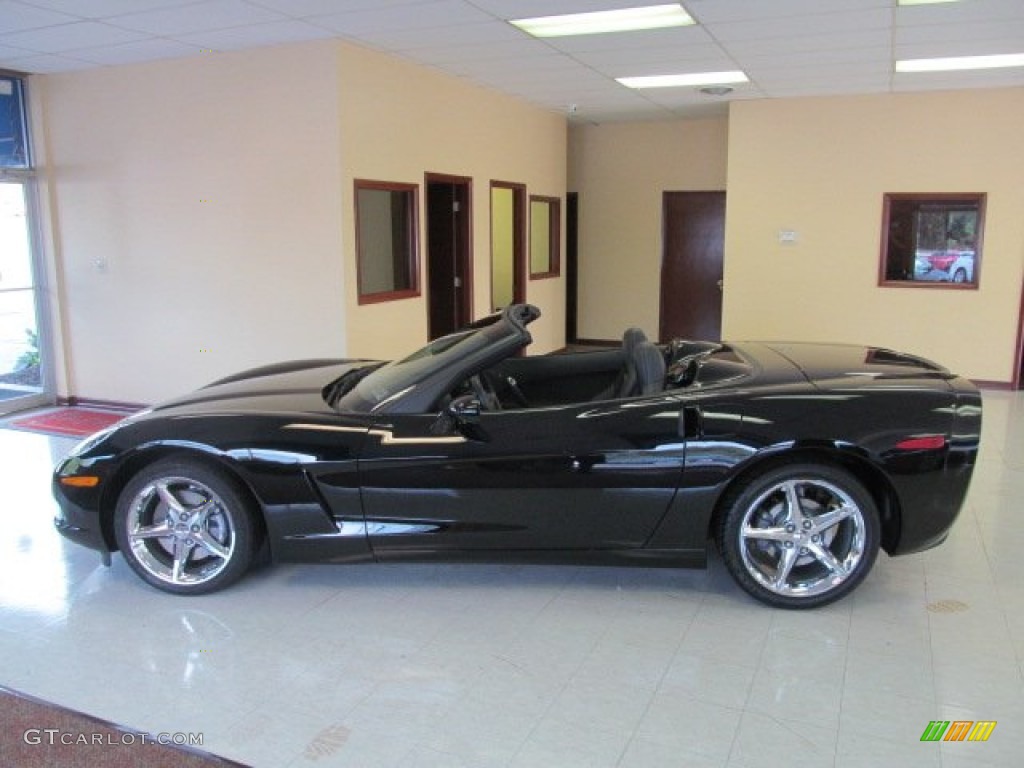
[[799, 461]]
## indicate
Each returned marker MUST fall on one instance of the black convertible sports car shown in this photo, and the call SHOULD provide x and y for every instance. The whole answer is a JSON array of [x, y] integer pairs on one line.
[[798, 460]]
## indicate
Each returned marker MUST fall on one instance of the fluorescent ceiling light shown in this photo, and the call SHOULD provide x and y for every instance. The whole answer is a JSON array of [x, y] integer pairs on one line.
[[692, 79], [622, 20], [961, 63], [924, 2]]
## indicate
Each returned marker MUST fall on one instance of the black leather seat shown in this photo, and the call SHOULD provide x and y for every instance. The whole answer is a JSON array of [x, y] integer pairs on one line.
[[627, 381], [645, 370]]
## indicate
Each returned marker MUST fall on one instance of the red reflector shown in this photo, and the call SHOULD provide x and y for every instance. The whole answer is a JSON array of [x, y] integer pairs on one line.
[[930, 443]]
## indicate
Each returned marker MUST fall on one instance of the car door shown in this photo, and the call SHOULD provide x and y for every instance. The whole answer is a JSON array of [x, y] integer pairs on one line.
[[574, 477]]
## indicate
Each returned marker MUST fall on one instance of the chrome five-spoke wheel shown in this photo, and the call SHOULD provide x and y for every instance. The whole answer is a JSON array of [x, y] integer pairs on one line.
[[800, 536], [184, 528]]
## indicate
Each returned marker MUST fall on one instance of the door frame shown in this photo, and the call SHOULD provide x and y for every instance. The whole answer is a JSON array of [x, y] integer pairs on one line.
[[572, 207], [463, 247], [518, 240]]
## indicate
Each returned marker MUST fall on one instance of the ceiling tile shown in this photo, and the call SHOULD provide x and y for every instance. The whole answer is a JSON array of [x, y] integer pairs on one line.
[[306, 8], [15, 16], [12, 52], [959, 13], [68, 37], [781, 46], [526, 9], [960, 48], [431, 15], [254, 35], [150, 49], [708, 11], [810, 25], [659, 62], [987, 78], [198, 17], [45, 64], [968, 32], [97, 9], [464, 34], [526, 53]]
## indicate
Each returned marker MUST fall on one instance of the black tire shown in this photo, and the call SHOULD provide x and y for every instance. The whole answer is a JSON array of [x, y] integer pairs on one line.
[[960, 276], [805, 557], [207, 517]]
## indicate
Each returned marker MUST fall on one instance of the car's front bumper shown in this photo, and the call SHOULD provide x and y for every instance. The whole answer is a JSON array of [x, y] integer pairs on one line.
[[79, 524]]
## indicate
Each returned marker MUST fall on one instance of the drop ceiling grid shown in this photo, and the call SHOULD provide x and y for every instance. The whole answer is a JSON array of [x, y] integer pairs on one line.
[[787, 47]]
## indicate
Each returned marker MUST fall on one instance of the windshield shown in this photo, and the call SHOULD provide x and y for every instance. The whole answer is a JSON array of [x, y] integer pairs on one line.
[[447, 354]]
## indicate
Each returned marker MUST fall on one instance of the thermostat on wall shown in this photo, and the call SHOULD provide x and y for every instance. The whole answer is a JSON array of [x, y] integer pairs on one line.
[[788, 236]]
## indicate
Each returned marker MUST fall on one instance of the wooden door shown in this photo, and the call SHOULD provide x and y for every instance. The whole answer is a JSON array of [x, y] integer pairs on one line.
[[691, 265], [448, 248]]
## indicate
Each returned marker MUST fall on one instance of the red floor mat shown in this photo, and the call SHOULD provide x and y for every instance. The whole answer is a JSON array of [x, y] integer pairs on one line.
[[73, 422]]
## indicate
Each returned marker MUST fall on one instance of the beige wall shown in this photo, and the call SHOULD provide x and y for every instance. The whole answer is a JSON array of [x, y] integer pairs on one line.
[[620, 171], [195, 218], [399, 121], [201, 212], [820, 167]]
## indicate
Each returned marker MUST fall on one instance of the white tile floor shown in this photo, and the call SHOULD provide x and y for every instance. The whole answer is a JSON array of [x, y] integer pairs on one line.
[[536, 667]]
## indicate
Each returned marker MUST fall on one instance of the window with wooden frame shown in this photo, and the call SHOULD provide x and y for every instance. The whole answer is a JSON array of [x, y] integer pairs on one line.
[[545, 236], [932, 240], [387, 240]]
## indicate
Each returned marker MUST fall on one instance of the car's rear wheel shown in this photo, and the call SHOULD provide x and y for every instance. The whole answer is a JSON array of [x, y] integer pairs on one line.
[[185, 527], [960, 276], [799, 536]]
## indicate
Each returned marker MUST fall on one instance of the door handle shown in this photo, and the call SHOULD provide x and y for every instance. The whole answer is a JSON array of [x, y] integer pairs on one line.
[[719, 283]]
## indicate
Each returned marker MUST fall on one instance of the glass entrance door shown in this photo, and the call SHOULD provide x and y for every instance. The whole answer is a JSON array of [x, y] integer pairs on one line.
[[22, 383]]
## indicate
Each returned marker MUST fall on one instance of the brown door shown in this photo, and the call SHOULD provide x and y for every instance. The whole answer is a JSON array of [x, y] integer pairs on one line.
[[448, 261], [691, 265]]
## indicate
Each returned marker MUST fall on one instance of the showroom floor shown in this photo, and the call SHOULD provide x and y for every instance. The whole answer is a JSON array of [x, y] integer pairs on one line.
[[532, 666]]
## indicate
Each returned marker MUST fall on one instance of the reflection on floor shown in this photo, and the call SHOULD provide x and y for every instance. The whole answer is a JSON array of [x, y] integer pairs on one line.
[[532, 666]]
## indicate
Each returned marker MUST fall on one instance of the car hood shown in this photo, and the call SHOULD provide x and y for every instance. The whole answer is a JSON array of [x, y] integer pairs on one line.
[[291, 387]]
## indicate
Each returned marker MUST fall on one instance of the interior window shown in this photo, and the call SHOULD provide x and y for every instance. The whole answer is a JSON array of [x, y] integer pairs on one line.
[[507, 230], [386, 241], [932, 240], [545, 216]]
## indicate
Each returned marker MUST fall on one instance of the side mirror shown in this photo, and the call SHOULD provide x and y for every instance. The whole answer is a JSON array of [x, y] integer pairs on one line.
[[465, 410], [460, 415]]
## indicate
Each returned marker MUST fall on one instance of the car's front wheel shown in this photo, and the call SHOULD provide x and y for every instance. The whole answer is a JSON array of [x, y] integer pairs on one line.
[[960, 276], [799, 536], [185, 527]]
